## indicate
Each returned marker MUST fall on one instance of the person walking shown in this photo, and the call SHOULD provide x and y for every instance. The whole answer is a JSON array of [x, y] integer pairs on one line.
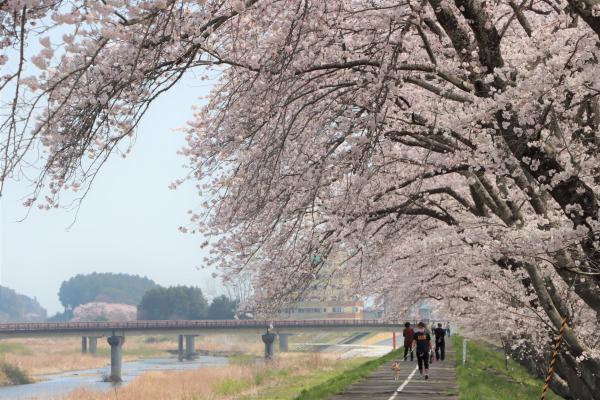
[[409, 335], [440, 342], [422, 344], [448, 328], [430, 330]]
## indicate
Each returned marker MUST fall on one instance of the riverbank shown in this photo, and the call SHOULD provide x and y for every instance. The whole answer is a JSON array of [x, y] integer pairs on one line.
[[485, 375], [285, 378], [43, 356], [244, 377], [11, 374]]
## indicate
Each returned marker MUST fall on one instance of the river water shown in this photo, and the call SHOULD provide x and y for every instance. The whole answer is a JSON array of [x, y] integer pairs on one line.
[[60, 384]]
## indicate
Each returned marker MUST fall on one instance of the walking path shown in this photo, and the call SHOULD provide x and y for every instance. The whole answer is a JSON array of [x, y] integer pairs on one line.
[[381, 385]]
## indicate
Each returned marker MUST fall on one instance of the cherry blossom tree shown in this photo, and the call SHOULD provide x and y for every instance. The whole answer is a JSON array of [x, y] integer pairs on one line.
[[98, 311], [444, 149]]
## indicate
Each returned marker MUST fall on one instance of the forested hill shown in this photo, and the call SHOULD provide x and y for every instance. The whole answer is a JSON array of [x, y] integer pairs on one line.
[[103, 287], [16, 307]]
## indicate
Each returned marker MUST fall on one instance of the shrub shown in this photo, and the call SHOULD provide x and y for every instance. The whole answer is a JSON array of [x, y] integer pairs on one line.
[[13, 374]]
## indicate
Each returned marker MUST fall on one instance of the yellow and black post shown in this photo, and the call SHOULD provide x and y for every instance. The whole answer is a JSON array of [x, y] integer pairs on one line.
[[554, 357]]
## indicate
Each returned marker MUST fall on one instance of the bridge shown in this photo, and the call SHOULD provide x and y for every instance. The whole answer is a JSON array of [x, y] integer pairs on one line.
[[116, 331], [191, 327]]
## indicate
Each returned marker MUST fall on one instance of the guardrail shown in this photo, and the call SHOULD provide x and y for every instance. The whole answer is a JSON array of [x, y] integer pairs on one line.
[[191, 324]]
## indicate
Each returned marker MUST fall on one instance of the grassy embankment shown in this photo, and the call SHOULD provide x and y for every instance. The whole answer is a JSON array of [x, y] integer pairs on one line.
[[308, 376], [341, 381], [484, 376], [53, 355], [291, 377], [11, 373]]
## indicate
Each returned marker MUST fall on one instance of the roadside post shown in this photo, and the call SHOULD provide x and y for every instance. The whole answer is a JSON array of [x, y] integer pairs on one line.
[[268, 339], [555, 354]]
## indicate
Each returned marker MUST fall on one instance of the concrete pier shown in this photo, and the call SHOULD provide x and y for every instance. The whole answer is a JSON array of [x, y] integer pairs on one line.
[[180, 347], [84, 344], [190, 346], [268, 339], [284, 342], [116, 357], [93, 344]]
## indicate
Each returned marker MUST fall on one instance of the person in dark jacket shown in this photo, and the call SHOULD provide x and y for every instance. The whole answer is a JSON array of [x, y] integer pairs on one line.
[[409, 335], [422, 344], [440, 342]]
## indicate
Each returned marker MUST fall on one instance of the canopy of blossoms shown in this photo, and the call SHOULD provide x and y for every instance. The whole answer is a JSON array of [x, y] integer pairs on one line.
[[444, 149]]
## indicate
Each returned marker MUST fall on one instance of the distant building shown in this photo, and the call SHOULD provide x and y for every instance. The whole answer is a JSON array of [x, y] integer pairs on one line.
[[420, 311], [353, 309], [330, 296], [373, 313]]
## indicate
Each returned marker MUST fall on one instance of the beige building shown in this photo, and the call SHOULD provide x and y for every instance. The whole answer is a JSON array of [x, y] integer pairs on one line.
[[329, 297], [324, 310]]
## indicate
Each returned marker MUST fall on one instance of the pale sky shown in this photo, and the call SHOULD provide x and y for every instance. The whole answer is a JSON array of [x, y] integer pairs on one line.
[[128, 222]]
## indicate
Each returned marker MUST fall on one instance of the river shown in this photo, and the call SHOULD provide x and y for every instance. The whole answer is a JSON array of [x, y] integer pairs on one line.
[[51, 385]]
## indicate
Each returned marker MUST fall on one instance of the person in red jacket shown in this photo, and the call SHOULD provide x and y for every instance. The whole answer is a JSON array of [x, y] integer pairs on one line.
[[409, 335]]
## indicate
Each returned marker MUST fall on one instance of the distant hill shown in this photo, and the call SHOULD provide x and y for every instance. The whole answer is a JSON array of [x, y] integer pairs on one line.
[[104, 288], [16, 307]]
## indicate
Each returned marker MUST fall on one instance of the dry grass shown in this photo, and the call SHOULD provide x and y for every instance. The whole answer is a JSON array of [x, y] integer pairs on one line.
[[4, 379], [217, 383], [52, 355], [42, 356], [231, 343]]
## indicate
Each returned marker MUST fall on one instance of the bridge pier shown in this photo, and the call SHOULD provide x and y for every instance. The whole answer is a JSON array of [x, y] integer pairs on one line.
[[284, 342], [180, 347], [268, 339], [116, 357], [93, 344], [84, 344], [190, 346]]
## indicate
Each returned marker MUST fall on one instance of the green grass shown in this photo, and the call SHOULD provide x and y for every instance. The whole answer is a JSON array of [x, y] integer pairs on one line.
[[242, 359], [341, 381], [290, 385], [230, 386], [18, 348], [484, 376]]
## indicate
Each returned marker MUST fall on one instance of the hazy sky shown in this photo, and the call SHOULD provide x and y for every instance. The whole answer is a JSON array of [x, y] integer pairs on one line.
[[127, 223]]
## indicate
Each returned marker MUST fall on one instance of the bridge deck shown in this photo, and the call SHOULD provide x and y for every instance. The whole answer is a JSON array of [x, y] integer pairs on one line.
[[190, 327], [381, 385]]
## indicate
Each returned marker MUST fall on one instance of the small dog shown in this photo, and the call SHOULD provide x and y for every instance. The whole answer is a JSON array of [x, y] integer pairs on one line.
[[396, 369]]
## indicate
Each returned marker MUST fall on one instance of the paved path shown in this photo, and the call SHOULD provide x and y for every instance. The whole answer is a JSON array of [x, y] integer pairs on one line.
[[381, 385]]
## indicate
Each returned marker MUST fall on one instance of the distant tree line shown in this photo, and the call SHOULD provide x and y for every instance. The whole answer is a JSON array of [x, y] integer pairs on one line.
[[184, 302], [152, 301], [16, 307], [105, 288]]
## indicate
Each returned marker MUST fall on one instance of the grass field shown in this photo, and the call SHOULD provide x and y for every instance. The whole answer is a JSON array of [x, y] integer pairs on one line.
[[342, 380], [53, 355], [284, 379], [292, 377], [11, 374], [484, 376]]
